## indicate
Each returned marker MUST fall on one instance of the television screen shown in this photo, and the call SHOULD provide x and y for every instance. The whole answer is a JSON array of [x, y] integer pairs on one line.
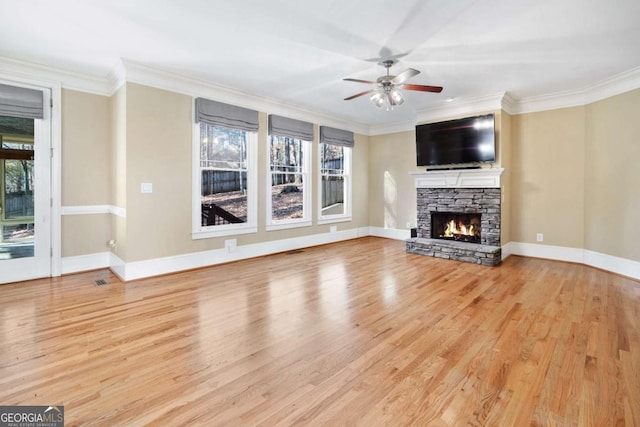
[[468, 140]]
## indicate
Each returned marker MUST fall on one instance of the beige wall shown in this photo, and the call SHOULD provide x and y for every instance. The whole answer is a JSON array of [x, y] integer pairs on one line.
[[158, 150], [570, 174], [612, 176], [86, 167], [86, 171], [392, 193], [360, 176], [85, 234], [118, 116], [505, 148], [548, 177]]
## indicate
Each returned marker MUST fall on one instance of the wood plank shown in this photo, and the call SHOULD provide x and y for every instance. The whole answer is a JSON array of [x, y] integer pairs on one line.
[[353, 333]]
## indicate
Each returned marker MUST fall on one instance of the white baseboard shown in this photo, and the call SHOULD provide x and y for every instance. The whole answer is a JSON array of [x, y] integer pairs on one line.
[[506, 251], [623, 266], [117, 266], [389, 233], [154, 267], [558, 253], [75, 264], [166, 265]]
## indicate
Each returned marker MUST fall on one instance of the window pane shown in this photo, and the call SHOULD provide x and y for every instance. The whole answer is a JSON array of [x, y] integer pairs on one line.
[[223, 171], [19, 233], [18, 189], [331, 159], [286, 154], [222, 147], [287, 191], [333, 181], [287, 167], [332, 195]]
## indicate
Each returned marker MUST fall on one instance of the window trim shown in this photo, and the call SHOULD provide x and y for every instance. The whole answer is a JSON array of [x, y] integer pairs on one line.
[[306, 220], [206, 232], [347, 215]]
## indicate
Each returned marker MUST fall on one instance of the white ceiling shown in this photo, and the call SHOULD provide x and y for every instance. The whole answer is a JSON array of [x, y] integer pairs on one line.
[[297, 51]]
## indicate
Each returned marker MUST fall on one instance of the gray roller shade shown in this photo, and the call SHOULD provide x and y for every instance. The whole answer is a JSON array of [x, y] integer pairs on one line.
[[283, 126], [226, 115], [333, 136], [21, 102]]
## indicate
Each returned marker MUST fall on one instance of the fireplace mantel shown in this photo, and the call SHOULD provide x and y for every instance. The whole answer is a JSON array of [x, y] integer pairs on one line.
[[458, 178]]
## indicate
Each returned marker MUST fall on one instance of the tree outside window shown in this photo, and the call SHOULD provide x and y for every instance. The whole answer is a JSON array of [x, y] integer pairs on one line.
[[288, 181]]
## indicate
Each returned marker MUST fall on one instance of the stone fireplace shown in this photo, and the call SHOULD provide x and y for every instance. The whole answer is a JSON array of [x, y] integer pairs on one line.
[[459, 215]]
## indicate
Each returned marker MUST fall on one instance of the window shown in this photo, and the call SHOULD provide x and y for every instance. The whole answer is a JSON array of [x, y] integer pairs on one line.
[[289, 187], [16, 187], [225, 186], [335, 151], [335, 182]]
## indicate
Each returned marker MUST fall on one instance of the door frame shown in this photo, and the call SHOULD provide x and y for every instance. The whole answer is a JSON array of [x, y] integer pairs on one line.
[[55, 114]]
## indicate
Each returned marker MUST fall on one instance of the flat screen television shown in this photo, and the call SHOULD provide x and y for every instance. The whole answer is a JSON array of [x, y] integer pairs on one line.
[[463, 141]]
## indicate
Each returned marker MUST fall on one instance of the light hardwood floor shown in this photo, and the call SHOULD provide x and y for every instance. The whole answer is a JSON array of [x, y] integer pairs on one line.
[[354, 333]]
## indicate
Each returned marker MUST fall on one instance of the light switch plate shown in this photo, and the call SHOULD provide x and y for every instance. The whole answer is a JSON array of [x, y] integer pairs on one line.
[[146, 188]]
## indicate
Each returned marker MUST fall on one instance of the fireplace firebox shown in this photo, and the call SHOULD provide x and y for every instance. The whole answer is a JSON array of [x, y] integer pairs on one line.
[[461, 227]]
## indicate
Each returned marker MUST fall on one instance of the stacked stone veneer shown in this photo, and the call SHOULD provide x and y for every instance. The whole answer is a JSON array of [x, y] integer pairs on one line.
[[484, 201]]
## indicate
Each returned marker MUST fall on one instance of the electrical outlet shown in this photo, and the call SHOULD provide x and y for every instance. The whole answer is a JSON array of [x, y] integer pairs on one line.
[[333, 229], [540, 237], [230, 245], [408, 224]]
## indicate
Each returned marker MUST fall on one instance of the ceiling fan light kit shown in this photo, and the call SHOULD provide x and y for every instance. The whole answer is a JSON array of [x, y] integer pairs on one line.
[[387, 92]]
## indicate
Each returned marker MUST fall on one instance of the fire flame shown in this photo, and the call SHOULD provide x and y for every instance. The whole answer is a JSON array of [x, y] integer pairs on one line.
[[460, 229]]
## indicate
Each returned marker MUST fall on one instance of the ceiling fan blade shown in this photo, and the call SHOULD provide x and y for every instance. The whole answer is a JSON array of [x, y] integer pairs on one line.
[[358, 94], [404, 76], [422, 88], [360, 81]]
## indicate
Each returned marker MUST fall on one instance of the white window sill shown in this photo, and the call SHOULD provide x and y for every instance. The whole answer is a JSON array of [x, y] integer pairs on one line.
[[332, 219], [223, 231], [288, 224]]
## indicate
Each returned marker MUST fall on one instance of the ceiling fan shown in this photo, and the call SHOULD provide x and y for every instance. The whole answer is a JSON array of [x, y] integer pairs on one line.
[[387, 88]]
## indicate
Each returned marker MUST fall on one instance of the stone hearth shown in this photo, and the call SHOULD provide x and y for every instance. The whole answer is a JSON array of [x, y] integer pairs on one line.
[[472, 191]]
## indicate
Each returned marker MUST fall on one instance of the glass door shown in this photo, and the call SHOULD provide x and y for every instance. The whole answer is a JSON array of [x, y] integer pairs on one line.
[[24, 198]]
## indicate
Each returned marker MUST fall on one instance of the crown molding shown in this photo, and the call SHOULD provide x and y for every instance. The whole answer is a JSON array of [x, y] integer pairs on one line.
[[552, 101], [620, 83], [612, 86], [161, 79], [67, 79], [462, 107], [397, 127], [117, 77], [509, 103], [130, 71]]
